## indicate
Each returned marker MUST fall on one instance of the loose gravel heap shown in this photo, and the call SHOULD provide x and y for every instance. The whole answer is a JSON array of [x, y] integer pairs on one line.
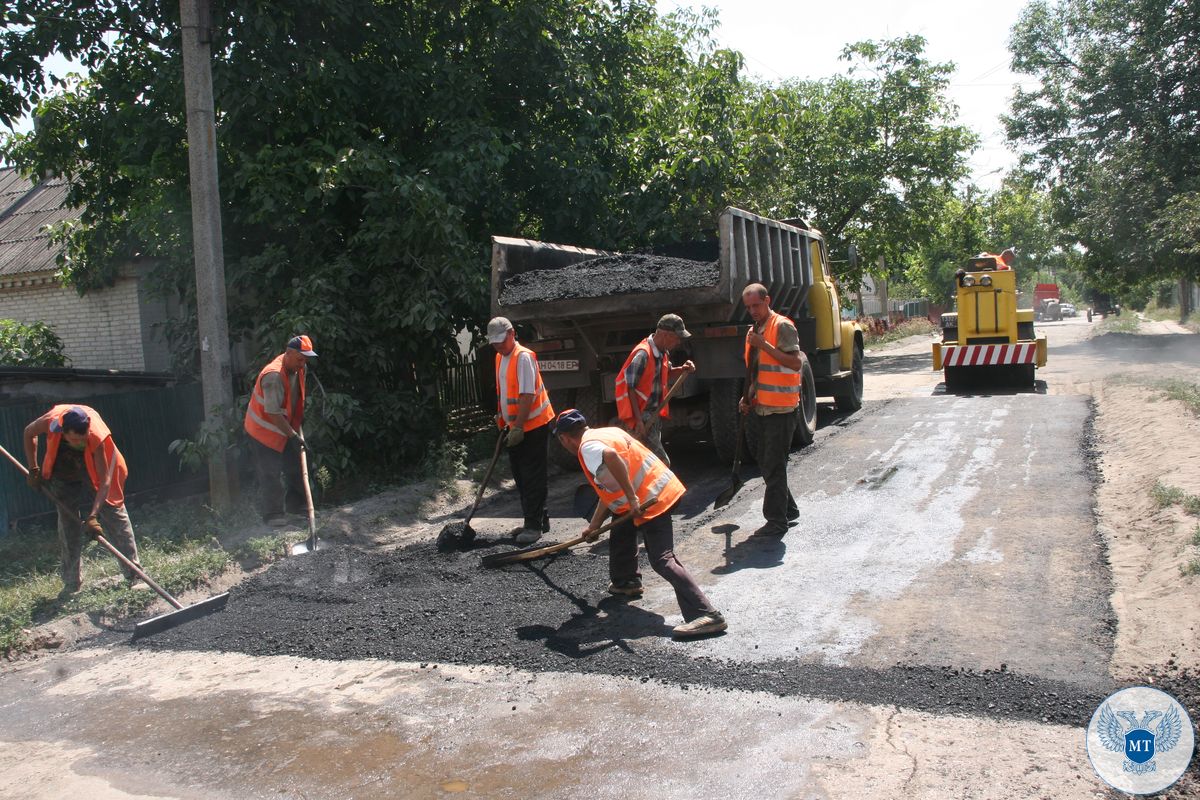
[[609, 275], [417, 605]]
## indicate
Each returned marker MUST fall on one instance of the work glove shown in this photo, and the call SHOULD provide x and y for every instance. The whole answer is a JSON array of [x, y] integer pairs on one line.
[[515, 437], [91, 527], [35, 479]]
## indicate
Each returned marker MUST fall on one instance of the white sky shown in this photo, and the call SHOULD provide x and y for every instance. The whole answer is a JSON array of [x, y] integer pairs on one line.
[[794, 39]]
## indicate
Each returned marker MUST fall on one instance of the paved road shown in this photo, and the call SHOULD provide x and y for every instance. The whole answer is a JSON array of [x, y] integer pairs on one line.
[[938, 624]]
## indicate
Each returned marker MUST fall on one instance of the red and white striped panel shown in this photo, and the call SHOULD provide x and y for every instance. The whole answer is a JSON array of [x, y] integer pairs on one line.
[[986, 355]]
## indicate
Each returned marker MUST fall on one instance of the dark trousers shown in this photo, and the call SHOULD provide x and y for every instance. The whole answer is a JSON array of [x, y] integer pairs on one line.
[[276, 497], [528, 462], [659, 537], [118, 530], [772, 434]]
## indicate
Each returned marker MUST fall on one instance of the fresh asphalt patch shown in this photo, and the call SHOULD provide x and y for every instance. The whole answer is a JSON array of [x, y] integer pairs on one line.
[[417, 605]]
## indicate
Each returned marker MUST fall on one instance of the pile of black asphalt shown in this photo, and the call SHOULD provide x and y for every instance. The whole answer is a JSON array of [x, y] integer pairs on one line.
[[415, 604], [609, 275]]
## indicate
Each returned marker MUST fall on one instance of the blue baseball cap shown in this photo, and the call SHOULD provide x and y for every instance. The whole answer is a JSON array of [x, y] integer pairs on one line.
[[73, 419], [568, 421], [303, 344]]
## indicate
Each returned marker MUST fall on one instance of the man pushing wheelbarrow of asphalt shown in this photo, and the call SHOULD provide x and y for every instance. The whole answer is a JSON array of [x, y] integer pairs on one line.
[[628, 477]]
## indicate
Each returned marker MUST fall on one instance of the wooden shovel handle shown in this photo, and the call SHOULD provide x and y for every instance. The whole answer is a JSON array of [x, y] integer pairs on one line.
[[548, 550], [670, 393]]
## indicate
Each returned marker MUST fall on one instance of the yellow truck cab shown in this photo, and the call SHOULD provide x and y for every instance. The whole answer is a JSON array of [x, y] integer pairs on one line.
[[988, 336]]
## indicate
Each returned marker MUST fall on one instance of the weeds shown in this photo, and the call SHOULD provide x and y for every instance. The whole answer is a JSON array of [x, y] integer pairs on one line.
[[1164, 495], [1191, 568], [1114, 324], [1196, 537], [178, 545], [1183, 391]]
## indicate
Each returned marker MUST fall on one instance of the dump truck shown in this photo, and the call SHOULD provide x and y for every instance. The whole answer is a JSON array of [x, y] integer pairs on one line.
[[1046, 302], [603, 303], [988, 337]]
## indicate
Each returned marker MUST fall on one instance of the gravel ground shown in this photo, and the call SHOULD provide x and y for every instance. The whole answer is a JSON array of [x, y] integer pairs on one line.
[[608, 275], [417, 605]]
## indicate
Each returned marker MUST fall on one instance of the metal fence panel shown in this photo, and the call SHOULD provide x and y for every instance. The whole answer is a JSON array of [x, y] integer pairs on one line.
[[143, 424]]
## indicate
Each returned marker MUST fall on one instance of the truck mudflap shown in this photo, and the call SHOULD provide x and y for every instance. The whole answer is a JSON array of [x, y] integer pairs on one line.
[[987, 355]]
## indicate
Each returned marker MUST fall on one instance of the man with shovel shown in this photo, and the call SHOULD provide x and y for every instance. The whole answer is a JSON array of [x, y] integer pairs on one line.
[[524, 410], [80, 446], [649, 372], [273, 421], [627, 477]]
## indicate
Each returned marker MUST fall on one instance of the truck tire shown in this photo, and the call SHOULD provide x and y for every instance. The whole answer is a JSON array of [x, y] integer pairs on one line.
[[806, 411], [723, 396], [852, 388]]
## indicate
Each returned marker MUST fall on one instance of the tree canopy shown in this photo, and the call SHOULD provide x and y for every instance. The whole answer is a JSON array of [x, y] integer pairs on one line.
[[369, 150], [1112, 130]]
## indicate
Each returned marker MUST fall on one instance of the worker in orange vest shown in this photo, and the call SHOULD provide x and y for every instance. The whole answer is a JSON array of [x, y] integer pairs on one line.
[[773, 361], [627, 477], [524, 411], [648, 371], [68, 472], [273, 421]]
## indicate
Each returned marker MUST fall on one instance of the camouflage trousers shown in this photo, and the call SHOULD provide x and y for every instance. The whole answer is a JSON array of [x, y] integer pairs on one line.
[[118, 530]]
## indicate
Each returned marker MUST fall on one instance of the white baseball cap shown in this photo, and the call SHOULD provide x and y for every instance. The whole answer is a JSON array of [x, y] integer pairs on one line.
[[498, 329]]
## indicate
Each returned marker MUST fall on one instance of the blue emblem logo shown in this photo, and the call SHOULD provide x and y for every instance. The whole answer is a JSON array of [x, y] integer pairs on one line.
[[1140, 740]]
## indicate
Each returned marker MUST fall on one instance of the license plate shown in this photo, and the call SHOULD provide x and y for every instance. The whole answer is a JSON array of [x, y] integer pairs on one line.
[[559, 365]]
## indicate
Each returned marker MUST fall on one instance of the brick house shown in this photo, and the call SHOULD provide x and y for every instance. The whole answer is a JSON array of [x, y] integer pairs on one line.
[[110, 328]]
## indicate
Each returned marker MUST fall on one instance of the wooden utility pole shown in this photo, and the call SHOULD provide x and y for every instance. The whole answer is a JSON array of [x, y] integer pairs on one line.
[[216, 374]]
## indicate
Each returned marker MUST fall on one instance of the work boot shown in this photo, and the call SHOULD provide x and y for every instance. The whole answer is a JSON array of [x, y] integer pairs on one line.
[[771, 529], [517, 531], [136, 583], [793, 515], [528, 536], [629, 588], [545, 522], [701, 626]]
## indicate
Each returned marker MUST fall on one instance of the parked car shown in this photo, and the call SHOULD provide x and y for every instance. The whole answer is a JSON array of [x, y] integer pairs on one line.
[[1068, 309]]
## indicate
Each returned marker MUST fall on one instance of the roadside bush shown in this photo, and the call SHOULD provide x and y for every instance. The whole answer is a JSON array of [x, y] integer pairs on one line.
[[918, 326], [32, 345]]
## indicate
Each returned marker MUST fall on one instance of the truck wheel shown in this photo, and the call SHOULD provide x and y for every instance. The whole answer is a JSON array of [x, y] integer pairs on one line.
[[806, 411], [851, 398], [723, 396]]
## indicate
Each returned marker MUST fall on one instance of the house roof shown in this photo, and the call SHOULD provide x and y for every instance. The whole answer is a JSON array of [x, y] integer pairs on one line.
[[26, 208]]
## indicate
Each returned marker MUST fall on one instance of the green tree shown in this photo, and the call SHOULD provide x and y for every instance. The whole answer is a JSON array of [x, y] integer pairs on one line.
[[34, 345], [1111, 128]]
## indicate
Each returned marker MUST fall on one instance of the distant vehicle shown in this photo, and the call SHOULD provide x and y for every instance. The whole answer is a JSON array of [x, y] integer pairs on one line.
[[1068, 309]]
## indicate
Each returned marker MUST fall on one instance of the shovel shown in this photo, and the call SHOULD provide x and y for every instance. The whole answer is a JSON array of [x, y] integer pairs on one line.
[[736, 483], [162, 622], [300, 548], [530, 554], [461, 534]]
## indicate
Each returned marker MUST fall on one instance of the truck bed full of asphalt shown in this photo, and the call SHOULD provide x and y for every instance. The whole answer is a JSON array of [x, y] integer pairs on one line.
[[609, 275], [417, 605]]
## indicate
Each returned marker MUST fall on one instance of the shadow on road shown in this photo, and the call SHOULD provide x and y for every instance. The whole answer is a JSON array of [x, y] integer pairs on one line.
[[1039, 387], [753, 552]]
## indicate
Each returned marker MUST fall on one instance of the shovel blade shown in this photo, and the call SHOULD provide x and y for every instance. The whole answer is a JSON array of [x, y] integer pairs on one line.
[[180, 615], [305, 547], [728, 494]]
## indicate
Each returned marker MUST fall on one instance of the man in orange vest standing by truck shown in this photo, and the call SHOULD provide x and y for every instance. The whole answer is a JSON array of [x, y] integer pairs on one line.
[[273, 421], [773, 362], [79, 447], [524, 410], [649, 372], [627, 477]]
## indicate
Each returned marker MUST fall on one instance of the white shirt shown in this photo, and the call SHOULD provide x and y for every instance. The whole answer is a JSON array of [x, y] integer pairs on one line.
[[593, 460], [526, 377]]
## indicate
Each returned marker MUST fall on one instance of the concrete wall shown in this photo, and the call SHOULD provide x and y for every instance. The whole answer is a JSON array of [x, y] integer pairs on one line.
[[105, 329]]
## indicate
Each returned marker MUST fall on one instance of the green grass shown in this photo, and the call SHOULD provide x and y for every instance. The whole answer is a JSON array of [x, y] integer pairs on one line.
[[1191, 568], [910, 327], [1183, 391], [1165, 495], [1196, 537], [179, 546], [1123, 324]]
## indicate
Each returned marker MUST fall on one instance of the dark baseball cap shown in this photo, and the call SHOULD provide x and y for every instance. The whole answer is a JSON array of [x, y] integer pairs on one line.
[[568, 421], [74, 419]]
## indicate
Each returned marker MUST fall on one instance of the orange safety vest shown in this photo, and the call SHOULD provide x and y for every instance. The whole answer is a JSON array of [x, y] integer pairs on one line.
[[98, 435], [775, 385], [1001, 262], [649, 476], [645, 384], [261, 429], [541, 412]]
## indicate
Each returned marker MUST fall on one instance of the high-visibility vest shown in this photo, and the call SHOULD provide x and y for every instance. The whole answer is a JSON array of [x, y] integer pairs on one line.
[[261, 429], [649, 476], [98, 436], [645, 384], [774, 384], [541, 412]]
